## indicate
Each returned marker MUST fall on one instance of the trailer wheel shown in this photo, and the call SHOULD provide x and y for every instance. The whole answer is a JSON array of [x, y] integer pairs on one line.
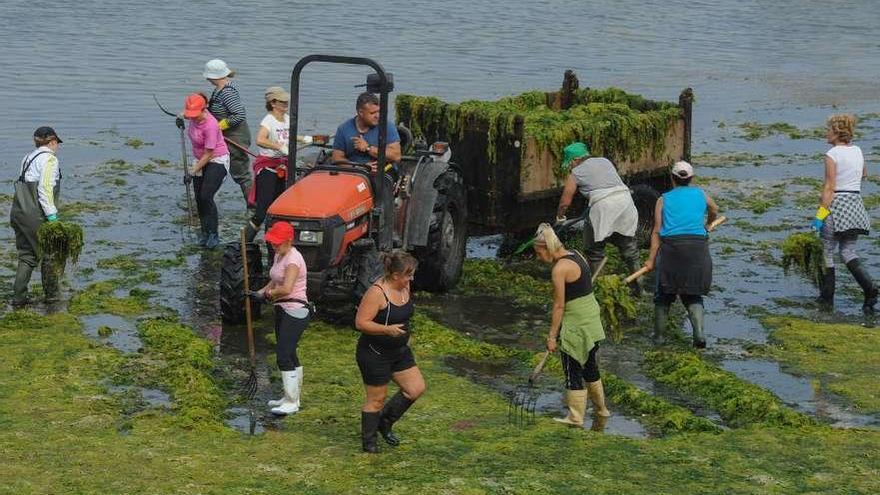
[[232, 294], [645, 198], [440, 262]]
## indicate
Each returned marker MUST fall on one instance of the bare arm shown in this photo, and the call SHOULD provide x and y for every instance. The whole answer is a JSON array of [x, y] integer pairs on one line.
[[369, 307], [568, 191], [290, 274], [655, 234], [830, 177], [392, 152], [207, 157], [338, 155], [713, 209], [264, 141], [559, 272]]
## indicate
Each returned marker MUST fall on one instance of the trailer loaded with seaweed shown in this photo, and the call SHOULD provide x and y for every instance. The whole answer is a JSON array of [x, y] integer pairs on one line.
[[510, 150]]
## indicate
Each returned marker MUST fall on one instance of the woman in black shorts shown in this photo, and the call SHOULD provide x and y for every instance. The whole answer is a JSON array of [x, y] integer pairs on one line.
[[382, 352]]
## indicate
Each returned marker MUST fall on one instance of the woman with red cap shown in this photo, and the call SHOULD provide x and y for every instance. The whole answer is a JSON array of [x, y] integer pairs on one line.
[[287, 291], [211, 167]]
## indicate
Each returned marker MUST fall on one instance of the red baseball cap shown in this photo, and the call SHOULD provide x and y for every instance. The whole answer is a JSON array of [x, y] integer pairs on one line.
[[194, 105], [279, 232]]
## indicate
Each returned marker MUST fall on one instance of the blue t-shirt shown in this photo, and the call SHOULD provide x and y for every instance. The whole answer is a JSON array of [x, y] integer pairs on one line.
[[348, 130], [684, 212]]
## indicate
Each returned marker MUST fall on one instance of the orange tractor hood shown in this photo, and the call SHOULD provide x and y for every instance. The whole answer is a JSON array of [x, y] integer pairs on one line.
[[323, 194]]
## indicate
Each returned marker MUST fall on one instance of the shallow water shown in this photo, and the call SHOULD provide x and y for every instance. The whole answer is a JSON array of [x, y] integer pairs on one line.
[[786, 61], [124, 337]]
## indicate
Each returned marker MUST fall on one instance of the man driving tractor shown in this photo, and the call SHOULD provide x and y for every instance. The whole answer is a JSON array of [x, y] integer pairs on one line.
[[357, 141]]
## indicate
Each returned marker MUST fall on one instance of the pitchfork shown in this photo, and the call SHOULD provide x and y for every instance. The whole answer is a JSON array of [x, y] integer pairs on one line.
[[523, 399], [250, 386]]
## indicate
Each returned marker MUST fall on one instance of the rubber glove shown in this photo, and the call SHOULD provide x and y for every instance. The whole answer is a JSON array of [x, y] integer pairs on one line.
[[52, 218], [224, 124], [187, 179], [819, 222], [257, 296], [560, 220], [179, 123], [284, 149]]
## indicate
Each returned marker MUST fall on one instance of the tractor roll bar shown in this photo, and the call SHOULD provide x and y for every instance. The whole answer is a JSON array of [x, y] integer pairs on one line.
[[294, 109]]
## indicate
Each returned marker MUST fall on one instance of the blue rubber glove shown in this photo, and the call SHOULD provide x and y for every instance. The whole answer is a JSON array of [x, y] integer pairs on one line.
[[257, 296], [817, 224], [52, 218]]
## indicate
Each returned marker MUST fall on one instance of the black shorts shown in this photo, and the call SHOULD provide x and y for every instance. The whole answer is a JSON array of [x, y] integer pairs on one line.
[[377, 364]]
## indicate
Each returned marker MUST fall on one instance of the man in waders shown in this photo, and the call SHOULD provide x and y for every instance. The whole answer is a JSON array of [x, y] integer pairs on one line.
[[36, 192], [612, 213]]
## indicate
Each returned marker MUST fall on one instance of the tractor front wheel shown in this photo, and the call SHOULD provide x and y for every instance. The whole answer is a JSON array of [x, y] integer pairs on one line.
[[645, 198], [232, 296]]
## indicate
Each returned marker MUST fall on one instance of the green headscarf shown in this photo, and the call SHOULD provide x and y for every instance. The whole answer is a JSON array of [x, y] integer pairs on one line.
[[572, 152]]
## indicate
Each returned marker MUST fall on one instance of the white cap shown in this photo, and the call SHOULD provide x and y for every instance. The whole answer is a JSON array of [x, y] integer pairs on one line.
[[683, 169], [216, 69]]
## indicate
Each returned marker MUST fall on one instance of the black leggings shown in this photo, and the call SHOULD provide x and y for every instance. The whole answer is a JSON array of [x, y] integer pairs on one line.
[[288, 331], [205, 188], [575, 374], [269, 187]]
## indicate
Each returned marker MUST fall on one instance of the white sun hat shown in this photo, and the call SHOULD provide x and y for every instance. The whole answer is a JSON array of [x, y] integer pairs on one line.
[[683, 169], [217, 69]]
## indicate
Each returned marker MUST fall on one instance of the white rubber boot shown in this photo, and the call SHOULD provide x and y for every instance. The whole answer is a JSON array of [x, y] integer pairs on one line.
[[299, 391], [290, 402]]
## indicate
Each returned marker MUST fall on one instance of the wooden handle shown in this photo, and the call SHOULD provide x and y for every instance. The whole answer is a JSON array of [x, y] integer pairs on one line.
[[635, 275], [718, 221], [247, 299], [598, 270], [539, 367]]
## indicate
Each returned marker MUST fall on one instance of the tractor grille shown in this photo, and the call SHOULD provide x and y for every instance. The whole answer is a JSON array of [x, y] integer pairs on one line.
[[310, 255]]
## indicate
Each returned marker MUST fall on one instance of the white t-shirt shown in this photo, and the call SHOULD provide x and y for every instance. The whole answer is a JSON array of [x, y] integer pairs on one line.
[[850, 164], [279, 133]]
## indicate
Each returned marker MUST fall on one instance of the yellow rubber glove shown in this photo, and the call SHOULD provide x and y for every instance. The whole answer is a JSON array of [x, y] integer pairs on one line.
[[822, 213], [224, 124]]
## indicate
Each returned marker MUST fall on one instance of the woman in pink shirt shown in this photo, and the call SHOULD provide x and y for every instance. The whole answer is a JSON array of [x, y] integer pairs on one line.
[[287, 290], [211, 167]]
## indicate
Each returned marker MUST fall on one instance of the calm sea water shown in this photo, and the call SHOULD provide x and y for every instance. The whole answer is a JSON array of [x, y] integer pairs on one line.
[[90, 65]]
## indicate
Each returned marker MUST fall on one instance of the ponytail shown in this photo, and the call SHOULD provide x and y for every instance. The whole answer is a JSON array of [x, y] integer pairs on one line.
[[397, 262], [546, 236]]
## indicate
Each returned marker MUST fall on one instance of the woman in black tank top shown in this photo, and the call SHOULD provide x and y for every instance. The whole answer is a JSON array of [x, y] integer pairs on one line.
[[572, 292], [383, 355]]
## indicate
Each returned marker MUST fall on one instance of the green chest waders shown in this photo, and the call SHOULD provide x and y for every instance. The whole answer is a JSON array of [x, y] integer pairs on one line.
[[26, 216]]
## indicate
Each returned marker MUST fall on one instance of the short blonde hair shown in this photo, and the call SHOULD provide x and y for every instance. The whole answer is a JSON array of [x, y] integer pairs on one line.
[[843, 126], [546, 237]]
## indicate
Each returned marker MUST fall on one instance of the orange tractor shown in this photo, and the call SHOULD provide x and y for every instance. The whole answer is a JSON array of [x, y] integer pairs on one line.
[[340, 211]]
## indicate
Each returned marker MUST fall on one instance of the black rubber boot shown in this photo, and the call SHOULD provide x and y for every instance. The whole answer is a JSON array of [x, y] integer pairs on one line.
[[696, 314], [661, 317], [20, 286], [826, 289], [390, 414], [866, 283], [369, 424]]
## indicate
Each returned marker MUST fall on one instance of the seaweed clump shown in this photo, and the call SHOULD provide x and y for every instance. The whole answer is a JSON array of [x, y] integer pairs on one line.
[[615, 303], [61, 242], [612, 122], [803, 252]]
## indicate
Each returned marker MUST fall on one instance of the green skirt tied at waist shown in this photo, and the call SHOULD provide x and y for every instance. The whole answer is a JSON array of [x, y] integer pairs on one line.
[[581, 327]]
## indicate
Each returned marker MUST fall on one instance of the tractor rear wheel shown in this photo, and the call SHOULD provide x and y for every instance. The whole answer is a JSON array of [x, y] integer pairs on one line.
[[232, 294], [441, 260], [645, 198]]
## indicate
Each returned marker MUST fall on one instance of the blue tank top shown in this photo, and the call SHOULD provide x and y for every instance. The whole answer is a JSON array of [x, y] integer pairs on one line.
[[684, 212]]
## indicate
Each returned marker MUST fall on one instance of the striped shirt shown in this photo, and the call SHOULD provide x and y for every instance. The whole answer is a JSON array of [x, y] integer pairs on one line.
[[226, 104]]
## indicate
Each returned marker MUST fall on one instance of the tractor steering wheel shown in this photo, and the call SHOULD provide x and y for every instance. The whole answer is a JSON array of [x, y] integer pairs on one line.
[[365, 166]]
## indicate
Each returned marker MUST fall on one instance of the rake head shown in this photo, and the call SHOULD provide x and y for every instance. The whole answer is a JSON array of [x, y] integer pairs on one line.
[[521, 405], [250, 386]]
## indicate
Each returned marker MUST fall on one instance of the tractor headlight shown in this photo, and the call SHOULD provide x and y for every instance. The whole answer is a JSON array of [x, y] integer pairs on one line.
[[311, 237]]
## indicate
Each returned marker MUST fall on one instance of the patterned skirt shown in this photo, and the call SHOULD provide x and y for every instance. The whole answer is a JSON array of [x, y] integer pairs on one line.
[[848, 214]]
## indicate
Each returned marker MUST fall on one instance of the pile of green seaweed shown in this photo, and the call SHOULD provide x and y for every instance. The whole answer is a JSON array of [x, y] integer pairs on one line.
[[612, 122]]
